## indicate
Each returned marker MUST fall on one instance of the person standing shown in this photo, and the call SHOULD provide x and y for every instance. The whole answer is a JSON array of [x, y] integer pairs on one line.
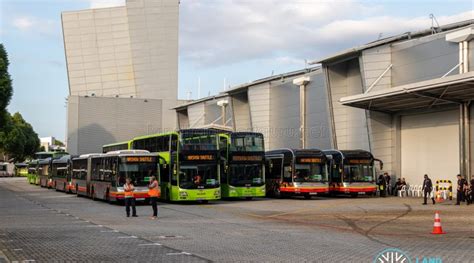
[[427, 189], [154, 193], [387, 181], [460, 194], [382, 185], [128, 189]]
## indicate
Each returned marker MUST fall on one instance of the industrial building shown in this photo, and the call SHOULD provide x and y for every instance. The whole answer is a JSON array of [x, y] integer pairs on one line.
[[126, 53], [405, 98]]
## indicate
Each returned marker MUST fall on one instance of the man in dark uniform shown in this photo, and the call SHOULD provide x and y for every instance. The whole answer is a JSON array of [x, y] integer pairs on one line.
[[427, 188], [460, 195]]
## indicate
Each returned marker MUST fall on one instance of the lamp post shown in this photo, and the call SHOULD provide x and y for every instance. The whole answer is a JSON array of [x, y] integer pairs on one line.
[[302, 82]]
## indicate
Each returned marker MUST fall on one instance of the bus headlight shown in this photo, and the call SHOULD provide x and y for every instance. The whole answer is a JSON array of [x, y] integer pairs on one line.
[[183, 194], [217, 192]]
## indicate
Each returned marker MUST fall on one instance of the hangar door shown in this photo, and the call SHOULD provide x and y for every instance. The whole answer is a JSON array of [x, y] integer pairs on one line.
[[430, 145]]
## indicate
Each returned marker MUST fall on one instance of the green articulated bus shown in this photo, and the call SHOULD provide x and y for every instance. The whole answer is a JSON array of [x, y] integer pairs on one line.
[[33, 176], [243, 164], [189, 163], [116, 146]]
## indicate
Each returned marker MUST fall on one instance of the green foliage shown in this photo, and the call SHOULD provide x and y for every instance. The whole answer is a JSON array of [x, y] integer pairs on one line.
[[59, 143], [17, 138], [6, 90]]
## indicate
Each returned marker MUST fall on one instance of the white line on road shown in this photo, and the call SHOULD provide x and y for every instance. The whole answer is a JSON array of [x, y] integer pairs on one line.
[[17, 249], [109, 231], [94, 226], [150, 244], [180, 253], [128, 237]]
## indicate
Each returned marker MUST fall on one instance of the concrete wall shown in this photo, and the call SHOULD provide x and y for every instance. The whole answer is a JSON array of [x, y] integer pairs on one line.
[[284, 115], [423, 59], [98, 52], [259, 102], [95, 121], [317, 112]]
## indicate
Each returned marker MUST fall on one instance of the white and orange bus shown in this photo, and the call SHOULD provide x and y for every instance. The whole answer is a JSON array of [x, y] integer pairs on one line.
[[352, 172], [296, 172], [80, 176]]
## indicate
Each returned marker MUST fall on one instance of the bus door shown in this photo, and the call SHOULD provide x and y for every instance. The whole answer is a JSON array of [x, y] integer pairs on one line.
[[224, 162], [274, 174]]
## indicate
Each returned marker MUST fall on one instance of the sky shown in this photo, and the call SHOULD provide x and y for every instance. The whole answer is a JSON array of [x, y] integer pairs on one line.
[[222, 43]]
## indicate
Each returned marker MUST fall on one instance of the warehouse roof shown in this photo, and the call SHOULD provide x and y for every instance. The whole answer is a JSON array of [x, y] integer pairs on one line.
[[380, 42]]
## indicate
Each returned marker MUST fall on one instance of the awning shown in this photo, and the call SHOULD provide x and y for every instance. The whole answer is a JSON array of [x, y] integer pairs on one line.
[[447, 91]]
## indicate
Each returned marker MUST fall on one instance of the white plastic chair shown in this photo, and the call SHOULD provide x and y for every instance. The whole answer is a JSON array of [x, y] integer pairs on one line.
[[419, 191], [403, 191]]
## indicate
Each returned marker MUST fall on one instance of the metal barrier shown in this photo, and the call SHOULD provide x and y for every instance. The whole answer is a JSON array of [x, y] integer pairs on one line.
[[445, 188]]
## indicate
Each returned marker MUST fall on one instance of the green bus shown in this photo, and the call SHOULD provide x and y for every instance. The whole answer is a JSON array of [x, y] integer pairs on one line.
[[33, 165], [21, 169], [116, 146], [189, 163], [243, 164], [32, 176]]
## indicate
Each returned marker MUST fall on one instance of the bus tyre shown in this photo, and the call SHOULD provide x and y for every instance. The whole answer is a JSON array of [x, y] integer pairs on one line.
[[248, 198], [205, 201], [354, 195], [307, 196]]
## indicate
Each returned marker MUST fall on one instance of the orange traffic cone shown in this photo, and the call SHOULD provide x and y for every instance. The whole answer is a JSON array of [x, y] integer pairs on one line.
[[437, 229]]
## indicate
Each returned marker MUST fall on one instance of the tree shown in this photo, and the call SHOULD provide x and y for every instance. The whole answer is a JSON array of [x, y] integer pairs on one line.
[[18, 139], [6, 90], [59, 143]]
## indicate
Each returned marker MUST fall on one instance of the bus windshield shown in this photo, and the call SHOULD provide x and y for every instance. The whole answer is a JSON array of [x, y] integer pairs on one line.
[[246, 175], [247, 143], [358, 173], [310, 173], [198, 141], [140, 173], [198, 176]]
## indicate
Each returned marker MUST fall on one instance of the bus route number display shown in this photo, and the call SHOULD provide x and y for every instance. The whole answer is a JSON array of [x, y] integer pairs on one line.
[[359, 161], [200, 157], [137, 159], [243, 158], [309, 160]]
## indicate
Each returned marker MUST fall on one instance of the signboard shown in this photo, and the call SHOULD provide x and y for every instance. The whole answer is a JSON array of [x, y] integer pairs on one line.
[[140, 159], [308, 160], [247, 158], [360, 161], [199, 157]]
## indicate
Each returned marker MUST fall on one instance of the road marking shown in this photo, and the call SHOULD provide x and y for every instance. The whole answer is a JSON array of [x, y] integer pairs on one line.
[[178, 254], [94, 226], [17, 249], [150, 244], [109, 231], [128, 237]]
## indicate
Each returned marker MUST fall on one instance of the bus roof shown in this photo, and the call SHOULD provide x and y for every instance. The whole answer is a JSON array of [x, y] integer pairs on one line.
[[124, 152], [21, 164], [116, 143], [350, 154], [237, 134], [63, 159], [45, 161], [295, 152], [87, 155], [210, 131]]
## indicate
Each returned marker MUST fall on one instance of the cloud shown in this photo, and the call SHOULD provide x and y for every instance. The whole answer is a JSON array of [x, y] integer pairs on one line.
[[106, 3], [35, 24], [216, 33]]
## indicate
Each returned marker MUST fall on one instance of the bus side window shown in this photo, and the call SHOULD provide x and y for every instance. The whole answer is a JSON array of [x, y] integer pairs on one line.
[[287, 174], [174, 142], [276, 168]]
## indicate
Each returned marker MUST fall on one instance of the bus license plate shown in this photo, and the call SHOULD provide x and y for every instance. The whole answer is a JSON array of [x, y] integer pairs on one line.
[[313, 193], [362, 193], [140, 199]]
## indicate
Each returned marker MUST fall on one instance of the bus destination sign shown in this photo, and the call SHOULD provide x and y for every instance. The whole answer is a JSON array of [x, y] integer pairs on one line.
[[359, 161], [244, 158], [140, 159], [309, 160], [199, 157]]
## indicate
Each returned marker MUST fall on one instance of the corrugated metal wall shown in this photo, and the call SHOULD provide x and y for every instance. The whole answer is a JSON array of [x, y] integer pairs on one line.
[[423, 59], [259, 101], [284, 115], [240, 106], [196, 115], [317, 112], [106, 120]]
